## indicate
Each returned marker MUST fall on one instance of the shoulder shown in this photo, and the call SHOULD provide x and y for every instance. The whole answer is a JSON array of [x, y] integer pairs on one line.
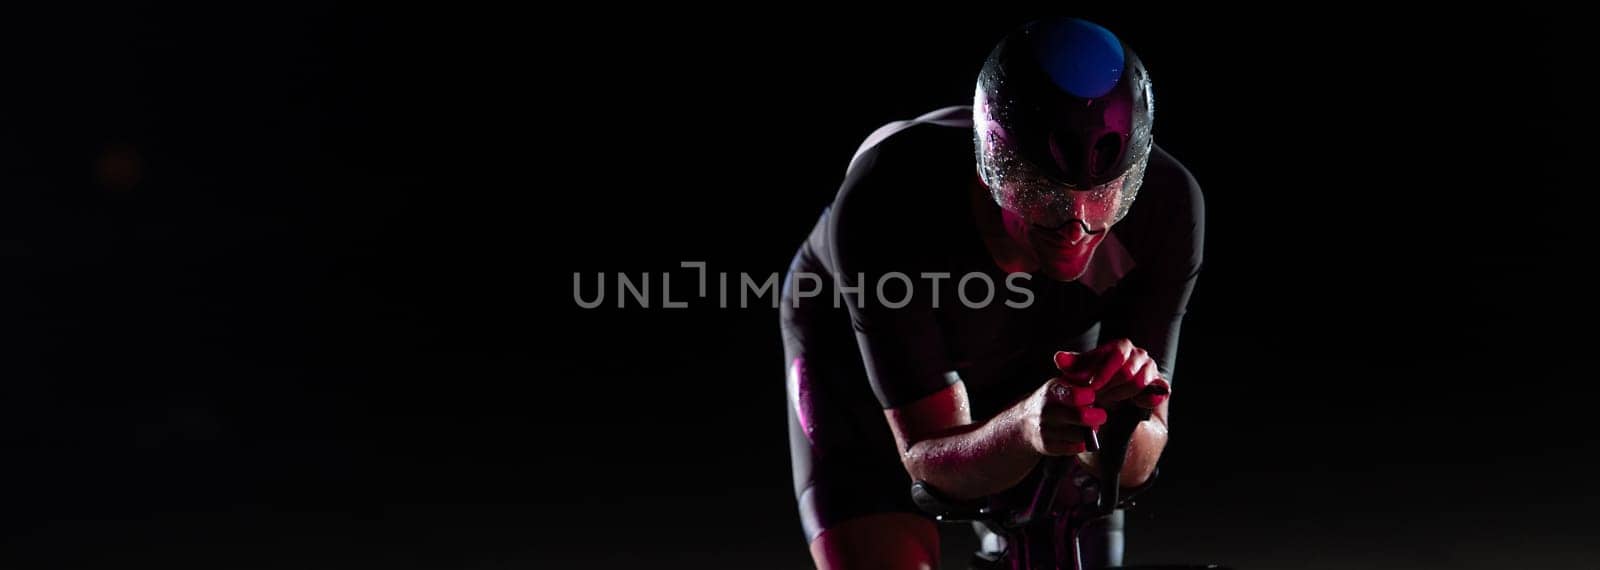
[[1172, 187], [897, 137], [906, 174], [1165, 228]]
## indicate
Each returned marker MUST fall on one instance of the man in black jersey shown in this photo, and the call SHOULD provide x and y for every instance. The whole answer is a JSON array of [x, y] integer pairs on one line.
[[956, 321]]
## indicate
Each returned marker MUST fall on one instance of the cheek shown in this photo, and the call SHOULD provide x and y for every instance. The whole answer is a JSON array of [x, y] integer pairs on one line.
[[1106, 206], [1015, 226]]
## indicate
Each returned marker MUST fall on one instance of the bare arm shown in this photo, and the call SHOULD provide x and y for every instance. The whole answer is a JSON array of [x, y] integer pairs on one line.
[[1144, 450], [940, 444]]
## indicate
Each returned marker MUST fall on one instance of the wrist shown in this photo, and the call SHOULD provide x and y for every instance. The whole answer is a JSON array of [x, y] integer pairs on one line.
[[1011, 430]]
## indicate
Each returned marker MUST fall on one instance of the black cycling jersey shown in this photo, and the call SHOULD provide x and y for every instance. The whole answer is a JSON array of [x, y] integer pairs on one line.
[[885, 303]]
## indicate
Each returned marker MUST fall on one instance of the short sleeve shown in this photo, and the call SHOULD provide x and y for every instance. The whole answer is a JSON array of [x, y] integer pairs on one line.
[[877, 264], [1151, 305]]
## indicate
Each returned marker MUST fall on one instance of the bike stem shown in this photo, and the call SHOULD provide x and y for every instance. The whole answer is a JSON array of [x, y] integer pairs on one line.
[[1119, 430]]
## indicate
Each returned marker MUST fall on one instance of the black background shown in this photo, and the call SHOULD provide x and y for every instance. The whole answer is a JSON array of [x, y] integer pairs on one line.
[[292, 287]]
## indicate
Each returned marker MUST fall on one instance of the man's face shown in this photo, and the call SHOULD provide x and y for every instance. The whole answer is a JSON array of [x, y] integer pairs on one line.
[[1063, 252], [1055, 223]]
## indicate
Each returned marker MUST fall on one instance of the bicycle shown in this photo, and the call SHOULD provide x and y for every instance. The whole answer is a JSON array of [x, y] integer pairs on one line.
[[1030, 528]]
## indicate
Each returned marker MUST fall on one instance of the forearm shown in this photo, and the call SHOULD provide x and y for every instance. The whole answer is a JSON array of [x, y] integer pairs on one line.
[[1144, 450], [973, 460]]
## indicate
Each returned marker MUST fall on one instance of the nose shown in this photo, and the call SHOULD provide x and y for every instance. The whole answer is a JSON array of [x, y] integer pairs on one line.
[[1071, 211]]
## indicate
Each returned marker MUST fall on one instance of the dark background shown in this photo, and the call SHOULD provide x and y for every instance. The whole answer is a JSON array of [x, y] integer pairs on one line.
[[291, 287]]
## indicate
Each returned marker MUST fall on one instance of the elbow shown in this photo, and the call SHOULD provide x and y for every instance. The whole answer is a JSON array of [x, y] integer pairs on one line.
[[914, 458], [1144, 453]]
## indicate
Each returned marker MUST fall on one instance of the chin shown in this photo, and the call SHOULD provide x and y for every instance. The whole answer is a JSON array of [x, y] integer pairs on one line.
[[1069, 264], [1066, 269]]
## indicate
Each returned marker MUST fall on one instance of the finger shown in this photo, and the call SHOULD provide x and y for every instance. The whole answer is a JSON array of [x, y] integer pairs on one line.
[[1065, 359], [1074, 416], [1064, 448], [1113, 357], [1154, 394], [1068, 395], [1131, 380], [1066, 362], [1115, 387], [1065, 441]]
